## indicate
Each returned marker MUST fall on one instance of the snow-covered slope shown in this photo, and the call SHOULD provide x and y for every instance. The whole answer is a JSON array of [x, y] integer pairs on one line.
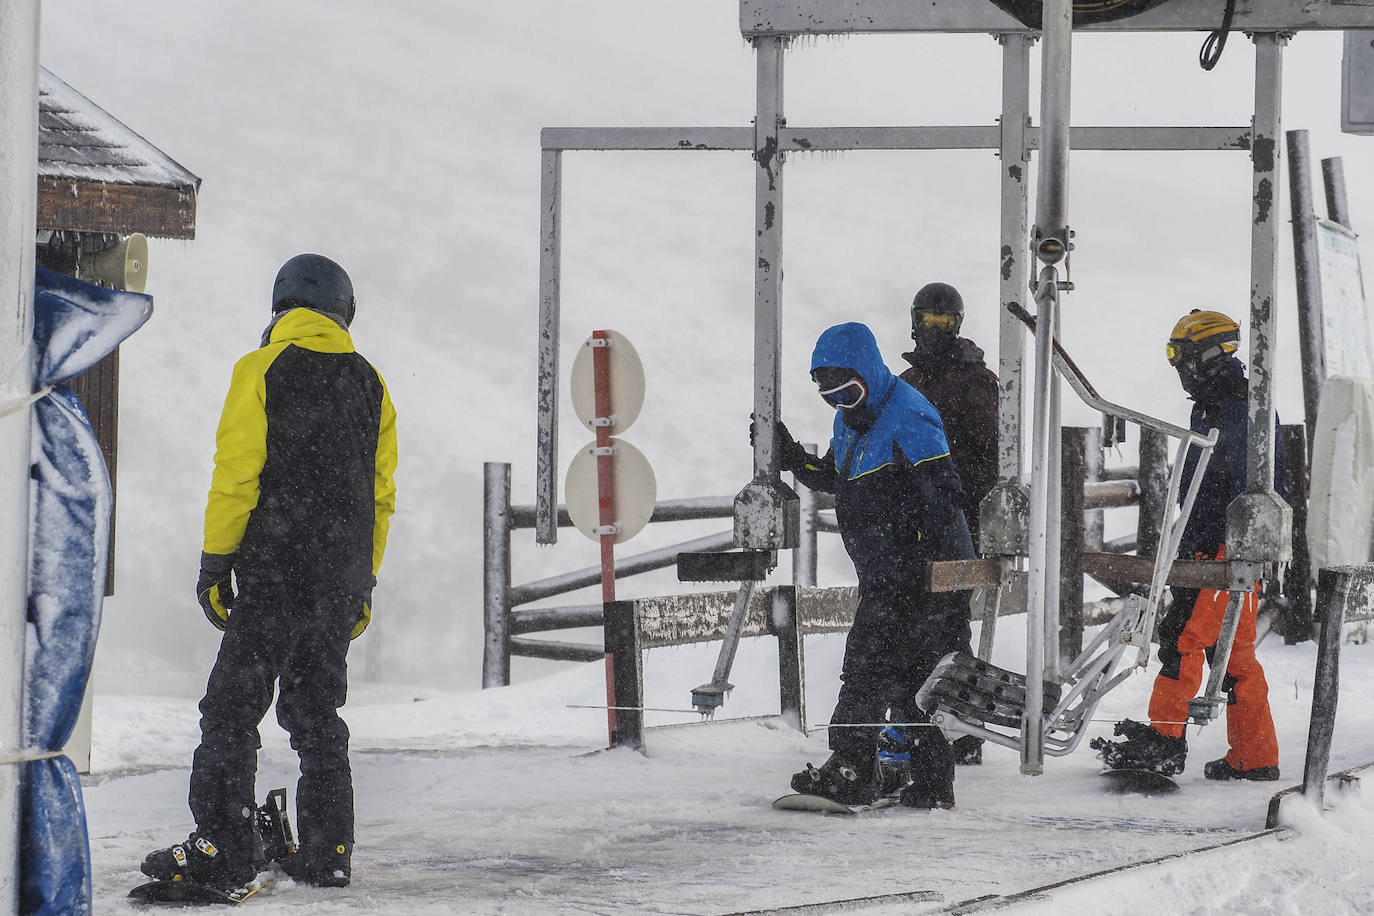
[[498, 802]]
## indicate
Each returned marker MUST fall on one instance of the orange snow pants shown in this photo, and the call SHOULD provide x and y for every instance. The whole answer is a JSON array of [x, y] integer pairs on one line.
[[1186, 639]]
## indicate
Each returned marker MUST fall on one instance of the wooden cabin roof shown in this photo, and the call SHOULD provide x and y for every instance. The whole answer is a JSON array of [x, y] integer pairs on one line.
[[97, 175]]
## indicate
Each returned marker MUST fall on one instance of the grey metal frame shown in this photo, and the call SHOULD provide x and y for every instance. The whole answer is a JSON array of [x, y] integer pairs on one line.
[[1016, 520]]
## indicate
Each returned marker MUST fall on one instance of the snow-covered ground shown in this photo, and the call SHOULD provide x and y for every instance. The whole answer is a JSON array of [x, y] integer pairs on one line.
[[403, 139], [503, 802]]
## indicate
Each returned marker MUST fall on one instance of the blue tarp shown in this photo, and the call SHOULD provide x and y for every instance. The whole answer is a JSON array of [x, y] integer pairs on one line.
[[75, 325]]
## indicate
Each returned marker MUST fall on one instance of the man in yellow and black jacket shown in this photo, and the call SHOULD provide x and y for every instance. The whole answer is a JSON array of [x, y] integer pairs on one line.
[[299, 507]]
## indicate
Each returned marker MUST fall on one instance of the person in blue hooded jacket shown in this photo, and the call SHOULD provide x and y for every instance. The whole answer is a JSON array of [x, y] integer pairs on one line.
[[899, 504]]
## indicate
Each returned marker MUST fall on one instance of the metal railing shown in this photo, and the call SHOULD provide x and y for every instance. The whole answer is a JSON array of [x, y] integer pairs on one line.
[[507, 628]]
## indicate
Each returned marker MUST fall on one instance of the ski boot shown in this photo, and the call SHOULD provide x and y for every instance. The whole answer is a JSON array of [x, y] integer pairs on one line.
[[1222, 769], [894, 760], [838, 780], [932, 771], [321, 866], [1144, 749], [200, 861]]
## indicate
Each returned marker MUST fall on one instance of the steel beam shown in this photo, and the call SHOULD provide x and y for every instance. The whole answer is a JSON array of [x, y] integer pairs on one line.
[[828, 17], [901, 137]]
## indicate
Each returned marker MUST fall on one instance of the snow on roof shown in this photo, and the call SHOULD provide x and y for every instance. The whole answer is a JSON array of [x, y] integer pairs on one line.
[[77, 139]]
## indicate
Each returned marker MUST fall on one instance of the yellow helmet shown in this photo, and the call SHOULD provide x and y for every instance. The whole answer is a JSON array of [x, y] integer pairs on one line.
[[1200, 337]]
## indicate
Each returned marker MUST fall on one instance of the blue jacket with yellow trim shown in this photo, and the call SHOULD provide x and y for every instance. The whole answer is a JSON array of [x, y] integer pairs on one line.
[[898, 497]]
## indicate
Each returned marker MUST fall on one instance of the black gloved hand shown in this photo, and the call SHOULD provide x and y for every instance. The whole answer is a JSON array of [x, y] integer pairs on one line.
[[791, 456], [215, 587], [366, 616]]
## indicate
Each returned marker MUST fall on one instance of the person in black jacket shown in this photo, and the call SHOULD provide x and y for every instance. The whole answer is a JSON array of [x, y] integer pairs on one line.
[[298, 515], [1202, 348], [950, 372], [898, 503]]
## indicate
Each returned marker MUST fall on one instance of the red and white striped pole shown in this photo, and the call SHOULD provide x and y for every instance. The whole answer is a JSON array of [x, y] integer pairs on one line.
[[605, 495]]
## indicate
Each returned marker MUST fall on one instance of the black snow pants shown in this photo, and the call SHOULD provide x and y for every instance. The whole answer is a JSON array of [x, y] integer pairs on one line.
[[893, 646], [294, 637]]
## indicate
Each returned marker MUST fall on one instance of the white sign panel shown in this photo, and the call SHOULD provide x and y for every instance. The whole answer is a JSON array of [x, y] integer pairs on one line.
[[1346, 326]]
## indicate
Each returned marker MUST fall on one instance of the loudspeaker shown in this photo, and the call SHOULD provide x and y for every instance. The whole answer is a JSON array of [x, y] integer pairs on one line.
[[125, 266]]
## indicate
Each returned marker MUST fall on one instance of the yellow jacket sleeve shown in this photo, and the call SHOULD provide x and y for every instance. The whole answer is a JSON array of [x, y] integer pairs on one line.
[[384, 481], [240, 452]]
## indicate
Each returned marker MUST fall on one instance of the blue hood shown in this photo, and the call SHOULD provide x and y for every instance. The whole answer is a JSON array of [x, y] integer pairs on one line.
[[902, 414], [853, 346]]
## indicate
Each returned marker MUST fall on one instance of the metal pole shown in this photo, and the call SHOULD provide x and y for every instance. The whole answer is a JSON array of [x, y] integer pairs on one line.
[[1264, 246], [546, 398], [1332, 590], [19, 172], [1307, 273], [496, 574], [1333, 181], [766, 509], [768, 253], [1259, 522], [1051, 239], [1052, 175], [1015, 255], [1032, 722]]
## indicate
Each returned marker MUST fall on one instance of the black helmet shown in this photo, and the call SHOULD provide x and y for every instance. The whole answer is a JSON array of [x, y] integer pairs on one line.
[[314, 281], [937, 299]]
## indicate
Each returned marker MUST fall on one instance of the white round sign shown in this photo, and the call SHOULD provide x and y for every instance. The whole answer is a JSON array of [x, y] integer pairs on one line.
[[633, 486], [626, 380]]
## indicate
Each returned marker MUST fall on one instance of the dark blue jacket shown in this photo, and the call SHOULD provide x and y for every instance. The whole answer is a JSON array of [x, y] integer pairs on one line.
[[898, 499], [1222, 403]]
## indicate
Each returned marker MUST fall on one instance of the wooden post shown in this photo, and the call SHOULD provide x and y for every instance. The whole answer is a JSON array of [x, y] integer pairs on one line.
[[1072, 471], [627, 674], [1295, 620], [1307, 275], [1153, 476], [791, 657]]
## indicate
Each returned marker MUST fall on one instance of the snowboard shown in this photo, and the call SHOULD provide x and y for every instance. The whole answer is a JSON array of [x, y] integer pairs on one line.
[[802, 802], [1138, 782], [190, 892]]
